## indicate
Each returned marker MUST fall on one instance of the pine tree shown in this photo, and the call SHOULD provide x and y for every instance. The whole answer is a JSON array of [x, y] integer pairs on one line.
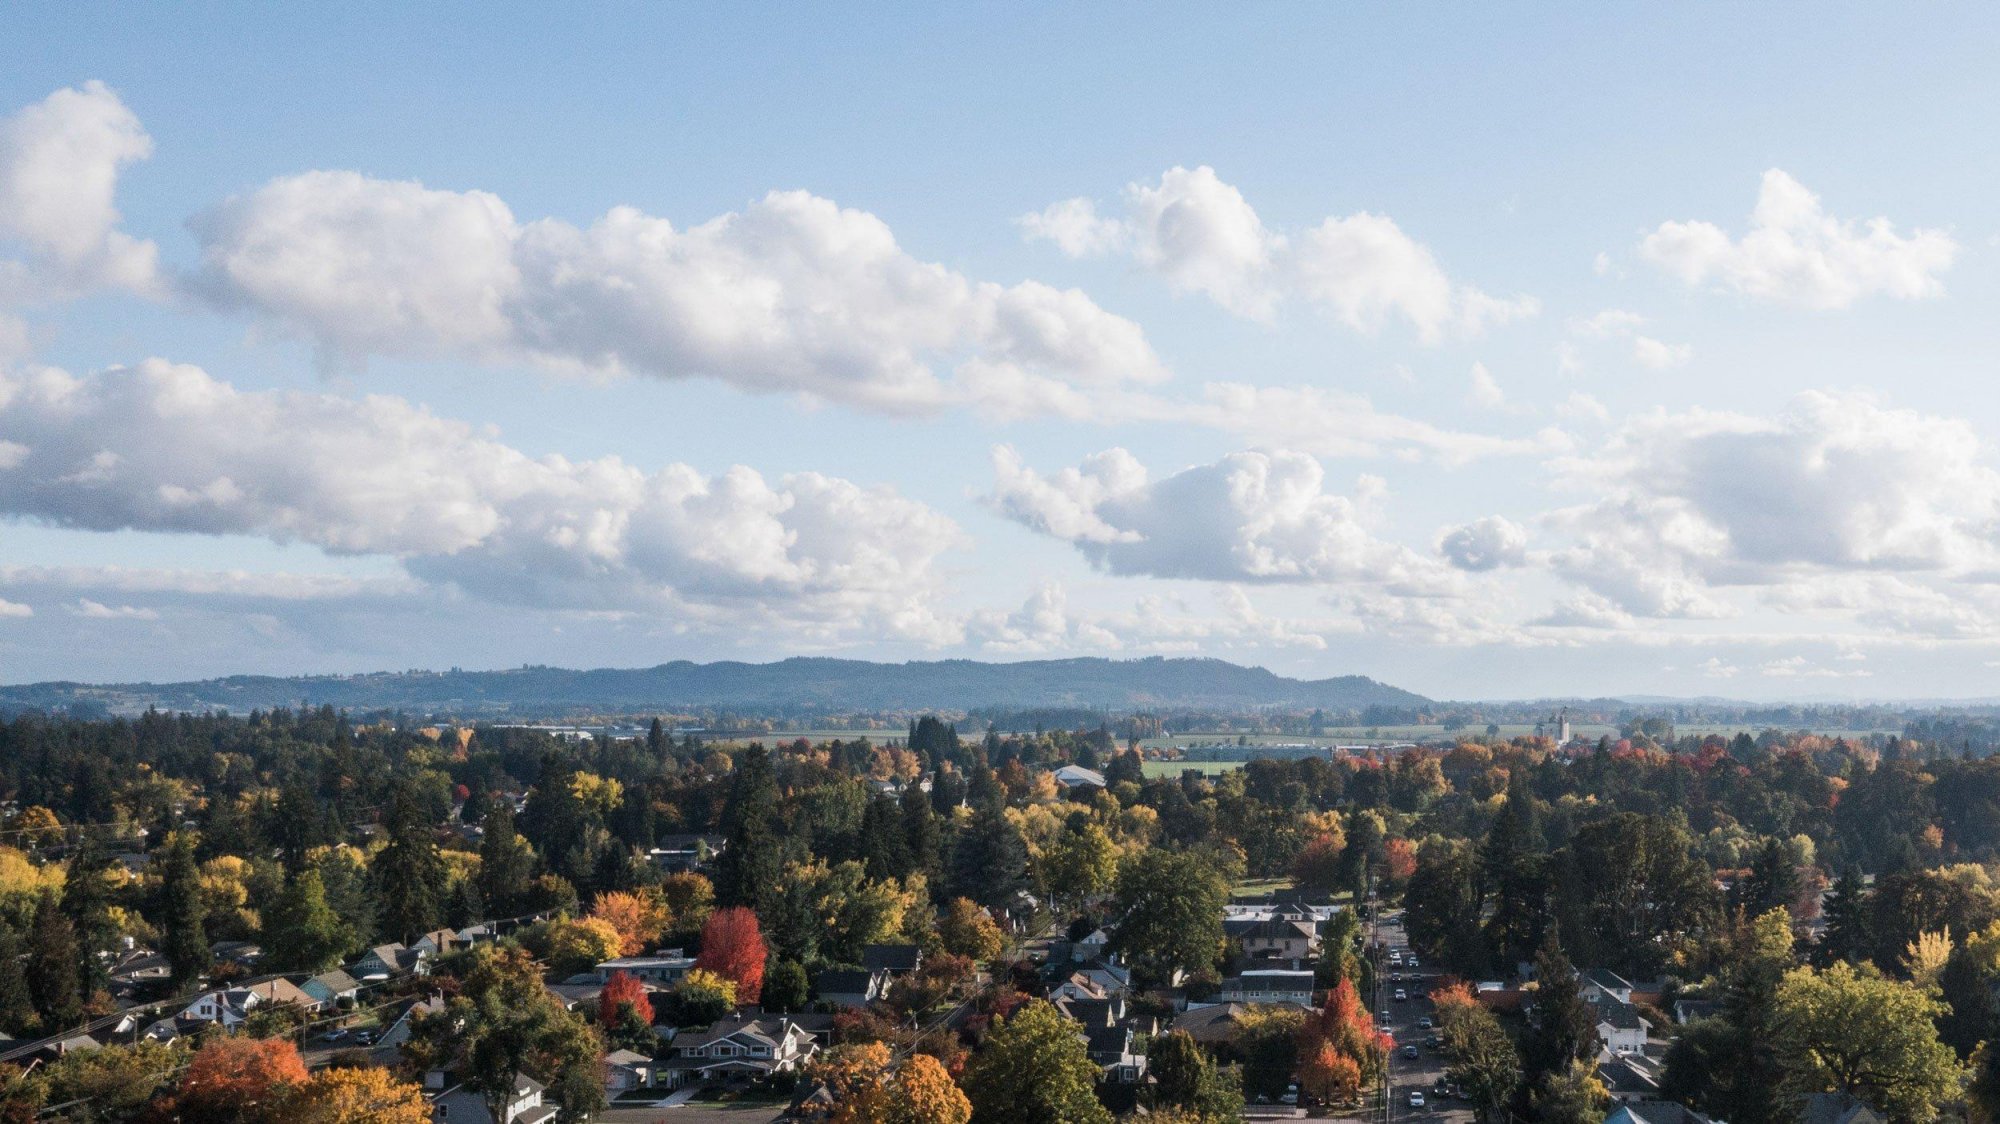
[[656, 740], [750, 867], [182, 913], [1562, 1028], [920, 832], [505, 863], [883, 848], [52, 966], [301, 931], [989, 859], [17, 1003], [409, 875], [86, 901], [1849, 934]]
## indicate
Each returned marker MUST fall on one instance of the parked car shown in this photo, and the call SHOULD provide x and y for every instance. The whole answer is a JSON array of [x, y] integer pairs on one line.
[[1412, 963], [1410, 1052], [1416, 1098]]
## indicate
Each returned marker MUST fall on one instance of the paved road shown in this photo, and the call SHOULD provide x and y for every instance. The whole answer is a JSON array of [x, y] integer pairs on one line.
[[1421, 1073]]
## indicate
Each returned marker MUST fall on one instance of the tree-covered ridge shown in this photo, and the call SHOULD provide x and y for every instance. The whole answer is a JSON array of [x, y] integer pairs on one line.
[[795, 685]]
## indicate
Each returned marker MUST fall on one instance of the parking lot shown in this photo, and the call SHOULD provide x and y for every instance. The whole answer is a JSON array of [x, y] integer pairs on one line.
[[1423, 1073]]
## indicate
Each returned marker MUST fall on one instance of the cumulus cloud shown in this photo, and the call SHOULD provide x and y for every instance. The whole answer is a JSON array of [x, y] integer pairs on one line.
[[167, 448], [1796, 253], [792, 294], [14, 609], [1621, 327], [1047, 622], [1486, 392], [59, 164], [1833, 484], [1201, 235], [1485, 544], [98, 611], [1251, 517], [1335, 423]]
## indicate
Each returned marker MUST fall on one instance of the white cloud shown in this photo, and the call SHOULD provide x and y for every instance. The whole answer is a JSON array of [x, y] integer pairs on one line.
[[1047, 623], [1252, 516], [1621, 325], [59, 165], [14, 609], [167, 448], [1835, 484], [1335, 423], [97, 611], [1798, 667], [1796, 253], [1660, 356], [1716, 668], [793, 294], [1486, 392], [1202, 236], [1485, 544], [208, 584], [1581, 407]]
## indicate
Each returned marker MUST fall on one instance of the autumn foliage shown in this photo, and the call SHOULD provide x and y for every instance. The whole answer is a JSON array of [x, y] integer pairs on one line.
[[622, 989], [231, 1078], [638, 918], [342, 1096], [1338, 1046], [732, 946]]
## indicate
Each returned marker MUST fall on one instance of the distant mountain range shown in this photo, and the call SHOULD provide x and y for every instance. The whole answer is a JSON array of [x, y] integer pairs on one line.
[[793, 685]]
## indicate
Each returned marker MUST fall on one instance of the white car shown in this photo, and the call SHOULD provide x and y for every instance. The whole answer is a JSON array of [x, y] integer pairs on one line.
[[1401, 995], [1412, 963], [1416, 1098]]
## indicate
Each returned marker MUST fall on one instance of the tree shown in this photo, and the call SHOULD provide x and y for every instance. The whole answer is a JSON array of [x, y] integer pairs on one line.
[[1562, 1028], [52, 967], [638, 917], [751, 865], [409, 874], [577, 944], [506, 862], [117, 1081], [1080, 866], [1033, 1069], [182, 913], [967, 930], [18, 1016], [1727, 1066], [1511, 865], [1573, 1095], [341, 1096], [1848, 1029], [1848, 934], [302, 933], [1185, 1077], [732, 946], [1632, 886], [1483, 1060], [623, 991], [989, 859], [1442, 907], [1318, 867], [505, 1023], [239, 1079], [1169, 907], [923, 1093], [699, 999], [86, 901], [786, 987]]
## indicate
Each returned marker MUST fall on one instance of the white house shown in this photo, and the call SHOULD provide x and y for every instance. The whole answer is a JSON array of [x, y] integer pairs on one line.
[[1269, 985], [740, 1046]]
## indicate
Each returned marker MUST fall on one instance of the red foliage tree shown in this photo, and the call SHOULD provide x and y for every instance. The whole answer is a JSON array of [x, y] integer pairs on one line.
[[620, 989], [232, 1079], [732, 946]]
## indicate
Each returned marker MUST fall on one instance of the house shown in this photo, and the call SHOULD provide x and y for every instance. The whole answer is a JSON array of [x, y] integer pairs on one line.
[[1655, 1112], [329, 989], [1599, 984], [894, 959], [1630, 1077], [850, 987], [383, 961], [740, 1046], [1115, 1052], [665, 968], [1092, 947], [1620, 1027], [625, 1070], [1269, 985], [438, 942], [228, 1008], [137, 968], [282, 990], [679, 854], [1691, 1010], [1275, 938], [1213, 1025], [243, 954], [461, 1105], [1093, 1014], [1838, 1108], [1073, 778], [400, 1030]]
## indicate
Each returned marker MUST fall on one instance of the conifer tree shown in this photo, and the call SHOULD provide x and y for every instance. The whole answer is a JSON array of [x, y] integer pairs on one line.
[[182, 913]]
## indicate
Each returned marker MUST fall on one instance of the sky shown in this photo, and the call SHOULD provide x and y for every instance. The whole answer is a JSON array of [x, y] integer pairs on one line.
[[1503, 352]]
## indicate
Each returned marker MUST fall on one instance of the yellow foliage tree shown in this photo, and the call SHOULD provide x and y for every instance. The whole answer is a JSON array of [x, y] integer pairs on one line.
[[578, 944], [638, 917], [340, 1096]]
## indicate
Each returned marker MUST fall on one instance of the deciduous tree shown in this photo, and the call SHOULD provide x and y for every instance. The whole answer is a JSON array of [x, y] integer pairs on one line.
[[1033, 1069], [732, 946]]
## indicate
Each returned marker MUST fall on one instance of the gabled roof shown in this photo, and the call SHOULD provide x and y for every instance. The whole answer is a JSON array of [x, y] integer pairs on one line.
[[1607, 979], [892, 957], [627, 1058], [1073, 776], [844, 981], [1838, 1108]]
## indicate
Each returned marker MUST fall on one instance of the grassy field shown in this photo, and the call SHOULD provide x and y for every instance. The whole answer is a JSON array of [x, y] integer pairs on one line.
[[1174, 768]]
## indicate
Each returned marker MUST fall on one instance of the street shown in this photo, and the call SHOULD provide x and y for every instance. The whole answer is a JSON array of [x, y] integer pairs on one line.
[[1423, 1073]]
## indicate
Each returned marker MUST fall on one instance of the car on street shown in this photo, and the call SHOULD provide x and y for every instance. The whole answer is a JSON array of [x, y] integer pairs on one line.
[[1412, 963], [1424, 1023], [1410, 1052], [1416, 1098], [1402, 996]]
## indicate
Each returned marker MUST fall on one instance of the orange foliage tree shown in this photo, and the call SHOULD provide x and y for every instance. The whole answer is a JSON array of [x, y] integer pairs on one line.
[[232, 1079], [638, 918], [732, 946]]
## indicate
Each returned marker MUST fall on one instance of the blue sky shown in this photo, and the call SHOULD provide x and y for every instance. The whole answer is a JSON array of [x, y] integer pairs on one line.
[[1489, 352]]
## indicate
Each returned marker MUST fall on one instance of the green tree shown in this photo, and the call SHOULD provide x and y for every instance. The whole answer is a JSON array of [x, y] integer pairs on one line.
[[1512, 864], [182, 913], [1848, 1029], [506, 863], [1726, 1066], [989, 859], [1572, 1095], [1080, 866], [1169, 909], [505, 1023], [52, 966], [1186, 1078], [751, 867], [1848, 934], [302, 933], [1442, 907], [17, 1004], [1562, 1028], [86, 901], [1033, 1070], [1483, 1060], [786, 987], [409, 874]]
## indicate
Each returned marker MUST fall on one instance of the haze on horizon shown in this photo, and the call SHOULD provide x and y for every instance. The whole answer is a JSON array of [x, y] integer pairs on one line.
[[1488, 354]]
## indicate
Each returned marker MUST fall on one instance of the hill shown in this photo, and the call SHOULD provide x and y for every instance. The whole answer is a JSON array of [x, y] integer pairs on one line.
[[793, 685]]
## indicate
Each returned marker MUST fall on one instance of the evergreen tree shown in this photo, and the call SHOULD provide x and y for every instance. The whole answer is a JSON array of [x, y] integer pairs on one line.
[[182, 913], [52, 967], [1774, 880], [347, 892], [409, 874], [86, 901], [17, 1002], [1562, 1027], [989, 859], [302, 933], [750, 867], [656, 740], [1849, 935], [1512, 868], [506, 865], [920, 832], [883, 848]]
